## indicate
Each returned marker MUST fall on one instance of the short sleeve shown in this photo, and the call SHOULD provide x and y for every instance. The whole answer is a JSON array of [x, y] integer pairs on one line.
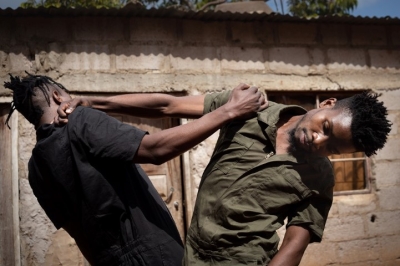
[[312, 213], [214, 100], [104, 136]]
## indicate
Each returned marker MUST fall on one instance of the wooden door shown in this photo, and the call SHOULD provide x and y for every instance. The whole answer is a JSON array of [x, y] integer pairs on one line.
[[7, 255], [166, 178]]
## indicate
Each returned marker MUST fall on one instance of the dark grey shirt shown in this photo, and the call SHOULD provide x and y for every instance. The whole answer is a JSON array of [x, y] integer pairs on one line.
[[83, 176]]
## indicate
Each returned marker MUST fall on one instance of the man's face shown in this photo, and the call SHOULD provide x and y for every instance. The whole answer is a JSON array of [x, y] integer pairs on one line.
[[323, 131]]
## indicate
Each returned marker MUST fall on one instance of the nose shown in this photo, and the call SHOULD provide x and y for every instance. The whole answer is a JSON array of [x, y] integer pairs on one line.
[[318, 140]]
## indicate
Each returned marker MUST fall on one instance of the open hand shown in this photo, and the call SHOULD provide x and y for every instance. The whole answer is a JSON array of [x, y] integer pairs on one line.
[[245, 102]]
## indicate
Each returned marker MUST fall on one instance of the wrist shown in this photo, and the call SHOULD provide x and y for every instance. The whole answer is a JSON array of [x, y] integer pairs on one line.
[[228, 112]]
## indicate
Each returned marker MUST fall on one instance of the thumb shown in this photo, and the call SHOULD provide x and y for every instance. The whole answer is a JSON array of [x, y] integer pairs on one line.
[[263, 106]]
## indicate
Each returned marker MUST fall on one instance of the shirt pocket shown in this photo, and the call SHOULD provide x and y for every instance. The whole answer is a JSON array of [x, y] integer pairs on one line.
[[279, 189], [229, 153]]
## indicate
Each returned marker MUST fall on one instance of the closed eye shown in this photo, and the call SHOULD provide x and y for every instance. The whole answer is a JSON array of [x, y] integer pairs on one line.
[[326, 128]]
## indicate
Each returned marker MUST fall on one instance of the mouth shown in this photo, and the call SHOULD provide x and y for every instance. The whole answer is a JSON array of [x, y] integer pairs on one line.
[[305, 142]]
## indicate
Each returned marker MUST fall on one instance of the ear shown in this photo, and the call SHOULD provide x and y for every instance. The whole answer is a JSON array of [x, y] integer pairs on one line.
[[57, 97], [328, 103]]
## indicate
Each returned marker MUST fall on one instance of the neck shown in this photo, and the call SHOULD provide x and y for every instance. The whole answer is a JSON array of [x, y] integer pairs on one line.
[[285, 125], [47, 118]]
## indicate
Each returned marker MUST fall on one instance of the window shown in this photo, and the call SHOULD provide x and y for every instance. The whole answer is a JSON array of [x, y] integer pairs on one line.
[[351, 170]]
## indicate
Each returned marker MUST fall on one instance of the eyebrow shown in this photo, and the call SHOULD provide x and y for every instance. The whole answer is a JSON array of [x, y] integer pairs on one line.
[[332, 148]]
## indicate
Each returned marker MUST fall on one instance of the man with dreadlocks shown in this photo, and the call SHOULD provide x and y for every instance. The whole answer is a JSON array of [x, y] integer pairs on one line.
[[85, 177], [267, 169]]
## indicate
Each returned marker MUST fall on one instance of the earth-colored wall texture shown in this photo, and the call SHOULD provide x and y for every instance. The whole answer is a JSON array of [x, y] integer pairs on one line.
[[104, 54]]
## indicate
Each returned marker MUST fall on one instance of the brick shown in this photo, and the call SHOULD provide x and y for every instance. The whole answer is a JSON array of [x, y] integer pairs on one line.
[[355, 204], [290, 60], [361, 80], [390, 249], [389, 198], [204, 32], [394, 118], [391, 99], [317, 254], [86, 57], [341, 60], [334, 211], [334, 34], [395, 262], [47, 61], [19, 61], [368, 35], [390, 151], [387, 174], [385, 59], [302, 33], [153, 29], [344, 228], [5, 64], [243, 59], [357, 251], [383, 223], [141, 57], [195, 59], [318, 65]]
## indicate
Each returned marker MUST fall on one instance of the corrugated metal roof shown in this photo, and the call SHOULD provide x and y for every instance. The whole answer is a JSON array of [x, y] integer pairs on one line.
[[131, 10]]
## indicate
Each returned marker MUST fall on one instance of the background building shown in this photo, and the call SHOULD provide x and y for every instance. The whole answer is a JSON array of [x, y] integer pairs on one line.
[[131, 50]]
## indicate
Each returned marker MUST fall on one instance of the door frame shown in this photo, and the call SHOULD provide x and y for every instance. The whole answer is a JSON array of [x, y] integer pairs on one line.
[[14, 180]]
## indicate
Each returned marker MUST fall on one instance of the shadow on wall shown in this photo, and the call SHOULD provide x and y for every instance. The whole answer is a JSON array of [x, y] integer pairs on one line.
[[102, 43]]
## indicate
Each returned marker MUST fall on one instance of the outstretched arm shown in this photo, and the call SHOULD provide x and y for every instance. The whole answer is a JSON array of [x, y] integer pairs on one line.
[[162, 146], [293, 246], [151, 105]]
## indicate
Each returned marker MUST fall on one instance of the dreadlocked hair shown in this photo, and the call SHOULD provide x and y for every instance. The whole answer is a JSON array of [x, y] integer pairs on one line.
[[23, 90], [369, 126]]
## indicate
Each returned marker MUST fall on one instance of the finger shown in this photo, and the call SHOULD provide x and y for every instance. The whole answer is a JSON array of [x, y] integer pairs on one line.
[[62, 109], [71, 107], [242, 86], [61, 121], [253, 88]]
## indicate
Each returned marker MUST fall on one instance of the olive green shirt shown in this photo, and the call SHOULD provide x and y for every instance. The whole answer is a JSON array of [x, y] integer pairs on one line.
[[247, 192]]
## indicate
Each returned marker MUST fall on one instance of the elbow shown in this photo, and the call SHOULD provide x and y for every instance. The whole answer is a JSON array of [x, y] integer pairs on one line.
[[158, 161]]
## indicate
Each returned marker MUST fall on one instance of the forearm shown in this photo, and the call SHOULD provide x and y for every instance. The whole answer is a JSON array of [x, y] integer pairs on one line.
[[151, 105], [287, 257], [167, 144], [293, 246]]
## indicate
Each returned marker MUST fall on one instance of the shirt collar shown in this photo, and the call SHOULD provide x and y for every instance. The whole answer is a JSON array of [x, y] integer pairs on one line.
[[270, 116], [44, 131]]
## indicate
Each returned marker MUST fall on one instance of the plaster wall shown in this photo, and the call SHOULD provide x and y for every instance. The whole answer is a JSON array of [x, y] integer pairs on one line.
[[139, 54]]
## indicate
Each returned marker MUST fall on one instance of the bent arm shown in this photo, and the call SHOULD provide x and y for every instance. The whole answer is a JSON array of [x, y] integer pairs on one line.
[[293, 246], [162, 146]]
